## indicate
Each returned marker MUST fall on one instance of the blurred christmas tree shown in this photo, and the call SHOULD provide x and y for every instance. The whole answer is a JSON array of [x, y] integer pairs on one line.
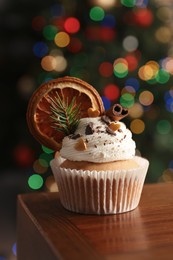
[[123, 49]]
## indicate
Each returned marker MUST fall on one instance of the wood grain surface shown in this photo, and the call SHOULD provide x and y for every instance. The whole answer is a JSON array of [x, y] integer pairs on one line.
[[47, 231]]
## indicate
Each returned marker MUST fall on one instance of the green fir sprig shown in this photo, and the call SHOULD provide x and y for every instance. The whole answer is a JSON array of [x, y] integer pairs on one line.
[[65, 115]]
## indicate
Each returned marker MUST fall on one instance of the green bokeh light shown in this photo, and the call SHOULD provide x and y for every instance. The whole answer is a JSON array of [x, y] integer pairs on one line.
[[163, 127], [97, 13], [128, 3], [120, 70], [49, 32], [127, 100], [35, 181], [47, 150], [162, 76]]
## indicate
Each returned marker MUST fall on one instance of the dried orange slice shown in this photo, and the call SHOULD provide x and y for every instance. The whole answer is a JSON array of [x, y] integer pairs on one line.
[[39, 108]]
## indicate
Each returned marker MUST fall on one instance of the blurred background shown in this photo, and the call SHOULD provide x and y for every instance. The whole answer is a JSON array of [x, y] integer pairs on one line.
[[123, 48]]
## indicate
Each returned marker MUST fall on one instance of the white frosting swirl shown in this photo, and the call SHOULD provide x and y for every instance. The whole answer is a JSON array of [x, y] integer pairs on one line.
[[102, 146]]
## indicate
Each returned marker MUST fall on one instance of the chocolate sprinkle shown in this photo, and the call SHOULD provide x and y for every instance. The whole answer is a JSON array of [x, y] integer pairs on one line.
[[108, 142], [97, 129], [89, 129]]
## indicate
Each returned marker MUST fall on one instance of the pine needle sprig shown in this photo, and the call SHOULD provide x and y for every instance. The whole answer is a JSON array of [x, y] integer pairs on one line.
[[65, 115]]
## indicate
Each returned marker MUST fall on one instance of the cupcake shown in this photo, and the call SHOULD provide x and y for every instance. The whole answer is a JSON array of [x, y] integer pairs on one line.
[[97, 171], [95, 166]]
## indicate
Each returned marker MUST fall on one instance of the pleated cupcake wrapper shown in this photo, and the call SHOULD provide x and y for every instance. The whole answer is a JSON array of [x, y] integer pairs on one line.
[[104, 192]]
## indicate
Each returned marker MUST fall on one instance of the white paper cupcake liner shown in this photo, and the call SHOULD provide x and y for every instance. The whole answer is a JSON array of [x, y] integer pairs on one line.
[[104, 192]]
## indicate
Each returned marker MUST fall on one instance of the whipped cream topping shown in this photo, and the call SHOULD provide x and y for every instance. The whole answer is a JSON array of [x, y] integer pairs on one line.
[[101, 143]]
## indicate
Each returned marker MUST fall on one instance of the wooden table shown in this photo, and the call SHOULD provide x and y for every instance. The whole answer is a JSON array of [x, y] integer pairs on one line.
[[46, 231]]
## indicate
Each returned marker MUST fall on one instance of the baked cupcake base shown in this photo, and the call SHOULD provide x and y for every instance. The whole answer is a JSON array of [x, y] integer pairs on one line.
[[100, 192]]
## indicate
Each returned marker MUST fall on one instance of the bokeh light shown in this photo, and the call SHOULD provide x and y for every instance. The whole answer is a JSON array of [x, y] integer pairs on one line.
[[130, 43], [14, 249], [35, 181], [132, 62], [49, 32], [137, 126], [133, 82], [23, 155], [167, 64], [72, 25], [108, 21], [105, 4], [61, 63], [62, 39], [46, 149], [120, 68], [167, 175], [127, 100], [40, 49], [136, 111], [168, 97], [154, 66], [48, 63], [164, 13], [106, 69], [112, 92], [97, 13], [26, 86], [163, 127], [141, 3], [128, 3], [163, 34], [128, 89], [146, 98], [106, 102], [162, 76], [145, 72], [143, 17], [51, 184]]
